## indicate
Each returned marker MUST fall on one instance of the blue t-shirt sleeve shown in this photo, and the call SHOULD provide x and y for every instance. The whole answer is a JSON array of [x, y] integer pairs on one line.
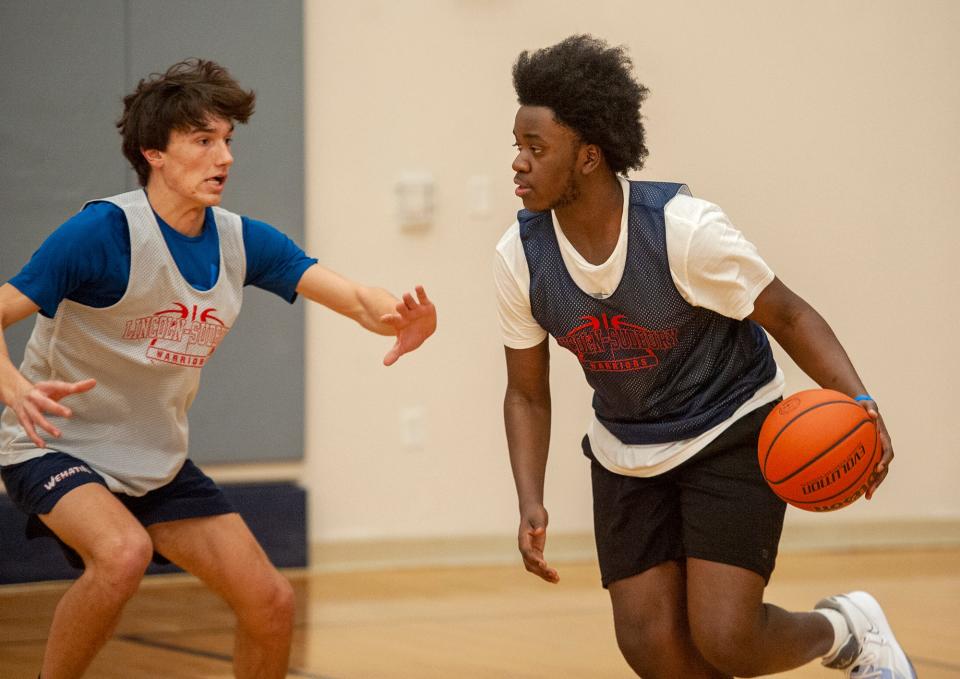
[[274, 262], [82, 260]]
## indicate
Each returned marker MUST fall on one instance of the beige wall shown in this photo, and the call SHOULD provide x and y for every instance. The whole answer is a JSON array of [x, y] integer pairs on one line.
[[828, 130]]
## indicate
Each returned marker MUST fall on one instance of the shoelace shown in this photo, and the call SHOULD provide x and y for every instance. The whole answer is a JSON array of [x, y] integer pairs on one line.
[[867, 664]]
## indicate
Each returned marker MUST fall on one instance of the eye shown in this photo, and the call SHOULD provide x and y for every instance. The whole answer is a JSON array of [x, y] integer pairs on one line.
[[536, 150], [203, 141], [229, 141]]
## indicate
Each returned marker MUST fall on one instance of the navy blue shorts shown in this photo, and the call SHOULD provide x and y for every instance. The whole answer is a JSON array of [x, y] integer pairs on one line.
[[715, 506], [35, 487]]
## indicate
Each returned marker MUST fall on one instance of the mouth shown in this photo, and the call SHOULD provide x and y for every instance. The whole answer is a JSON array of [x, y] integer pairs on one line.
[[522, 189], [218, 181]]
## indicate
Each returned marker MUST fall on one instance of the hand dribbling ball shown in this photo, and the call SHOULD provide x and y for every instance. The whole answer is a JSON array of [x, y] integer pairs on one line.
[[818, 450]]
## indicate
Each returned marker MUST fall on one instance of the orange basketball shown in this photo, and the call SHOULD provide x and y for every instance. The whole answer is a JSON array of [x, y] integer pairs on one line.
[[818, 449]]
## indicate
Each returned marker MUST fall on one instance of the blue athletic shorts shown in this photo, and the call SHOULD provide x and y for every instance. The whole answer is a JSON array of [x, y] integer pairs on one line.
[[35, 487]]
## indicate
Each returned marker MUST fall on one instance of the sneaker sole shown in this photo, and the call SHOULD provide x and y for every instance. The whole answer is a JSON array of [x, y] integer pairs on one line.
[[866, 603]]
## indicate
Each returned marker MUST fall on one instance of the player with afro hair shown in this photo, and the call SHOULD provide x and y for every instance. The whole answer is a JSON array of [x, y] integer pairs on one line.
[[664, 304]]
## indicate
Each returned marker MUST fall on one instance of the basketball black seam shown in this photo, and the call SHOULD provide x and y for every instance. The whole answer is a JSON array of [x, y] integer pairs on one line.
[[796, 471], [867, 468], [766, 455]]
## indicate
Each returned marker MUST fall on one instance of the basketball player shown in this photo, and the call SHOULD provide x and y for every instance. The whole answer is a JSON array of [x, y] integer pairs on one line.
[[135, 293], [662, 301]]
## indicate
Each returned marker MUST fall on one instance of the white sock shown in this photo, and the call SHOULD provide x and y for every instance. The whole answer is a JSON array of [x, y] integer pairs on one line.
[[840, 629]]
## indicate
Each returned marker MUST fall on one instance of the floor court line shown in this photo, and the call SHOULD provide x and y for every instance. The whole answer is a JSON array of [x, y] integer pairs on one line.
[[144, 641]]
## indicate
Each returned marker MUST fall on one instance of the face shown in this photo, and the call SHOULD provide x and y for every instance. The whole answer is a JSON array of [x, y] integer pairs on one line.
[[546, 162], [196, 162]]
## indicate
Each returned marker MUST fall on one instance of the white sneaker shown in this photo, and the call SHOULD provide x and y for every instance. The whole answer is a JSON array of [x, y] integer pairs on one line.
[[871, 652]]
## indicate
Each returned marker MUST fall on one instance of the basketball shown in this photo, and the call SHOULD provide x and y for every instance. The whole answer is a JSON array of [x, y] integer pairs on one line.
[[818, 449]]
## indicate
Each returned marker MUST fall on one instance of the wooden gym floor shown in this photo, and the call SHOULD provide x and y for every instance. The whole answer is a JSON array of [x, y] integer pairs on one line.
[[469, 623]]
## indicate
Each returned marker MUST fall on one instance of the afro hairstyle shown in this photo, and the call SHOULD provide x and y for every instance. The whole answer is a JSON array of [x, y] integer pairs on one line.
[[590, 89]]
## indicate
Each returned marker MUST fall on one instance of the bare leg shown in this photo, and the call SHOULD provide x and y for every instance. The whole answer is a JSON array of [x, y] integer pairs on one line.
[[116, 551], [739, 633], [221, 551], [649, 612]]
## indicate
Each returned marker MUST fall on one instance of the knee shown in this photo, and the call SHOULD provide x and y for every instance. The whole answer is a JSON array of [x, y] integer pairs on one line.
[[269, 608], [642, 641], [634, 636], [120, 561], [281, 601], [728, 647]]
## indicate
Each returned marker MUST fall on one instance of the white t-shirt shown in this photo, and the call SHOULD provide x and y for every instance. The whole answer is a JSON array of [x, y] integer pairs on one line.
[[712, 265]]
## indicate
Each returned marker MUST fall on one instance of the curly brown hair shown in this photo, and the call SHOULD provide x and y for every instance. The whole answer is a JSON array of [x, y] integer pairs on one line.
[[590, 88], [182, 98]]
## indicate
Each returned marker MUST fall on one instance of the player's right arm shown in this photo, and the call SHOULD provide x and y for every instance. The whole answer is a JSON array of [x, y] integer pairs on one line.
[[526, 416], [31, 402], [526, 405]]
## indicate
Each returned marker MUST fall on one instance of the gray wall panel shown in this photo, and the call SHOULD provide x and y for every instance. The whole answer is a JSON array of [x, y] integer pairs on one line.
[[60, 90], [250, 405], [58, 146]]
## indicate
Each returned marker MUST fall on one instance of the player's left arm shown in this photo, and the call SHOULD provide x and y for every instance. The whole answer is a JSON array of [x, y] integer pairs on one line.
[[811, 343], [411, 320]]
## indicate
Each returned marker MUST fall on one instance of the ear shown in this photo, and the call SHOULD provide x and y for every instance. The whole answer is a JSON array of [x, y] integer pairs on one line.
[[153, 156], [591, 158]]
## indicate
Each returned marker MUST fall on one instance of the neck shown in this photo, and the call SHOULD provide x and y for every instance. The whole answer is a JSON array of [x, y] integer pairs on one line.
[[592, 222], [183, 215]]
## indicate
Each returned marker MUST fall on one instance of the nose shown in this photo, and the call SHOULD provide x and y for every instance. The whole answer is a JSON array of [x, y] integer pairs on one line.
[[226, 156], [520, 163]]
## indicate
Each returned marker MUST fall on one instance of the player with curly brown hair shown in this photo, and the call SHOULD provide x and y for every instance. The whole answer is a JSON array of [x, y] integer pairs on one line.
[[134, 295]]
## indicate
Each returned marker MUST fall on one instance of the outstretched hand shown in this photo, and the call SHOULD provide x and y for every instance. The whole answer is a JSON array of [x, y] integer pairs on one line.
[[413, 321], [35, 401]]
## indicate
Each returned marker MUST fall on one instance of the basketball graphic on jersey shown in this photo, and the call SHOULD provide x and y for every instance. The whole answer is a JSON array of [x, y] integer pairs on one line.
[[604, 344], [180, 334]]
